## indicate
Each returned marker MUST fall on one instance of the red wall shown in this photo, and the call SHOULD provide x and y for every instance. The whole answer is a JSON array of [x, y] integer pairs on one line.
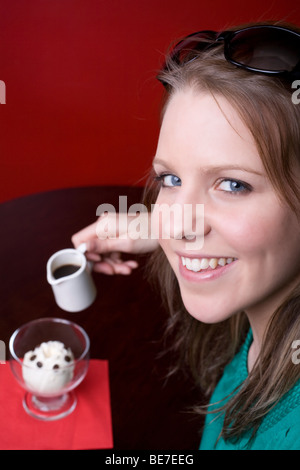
[[82, 102]]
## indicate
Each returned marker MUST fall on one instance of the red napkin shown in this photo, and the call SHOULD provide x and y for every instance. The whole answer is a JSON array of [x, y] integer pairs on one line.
[[89, 426]]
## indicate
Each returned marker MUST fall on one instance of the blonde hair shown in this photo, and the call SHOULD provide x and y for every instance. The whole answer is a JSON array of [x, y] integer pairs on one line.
[[265, 105]]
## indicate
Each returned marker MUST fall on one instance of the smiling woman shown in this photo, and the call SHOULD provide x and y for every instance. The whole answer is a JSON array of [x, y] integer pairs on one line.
[[230, 140]]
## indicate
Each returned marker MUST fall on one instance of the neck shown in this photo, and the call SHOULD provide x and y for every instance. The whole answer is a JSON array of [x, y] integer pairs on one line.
[[259, 319]]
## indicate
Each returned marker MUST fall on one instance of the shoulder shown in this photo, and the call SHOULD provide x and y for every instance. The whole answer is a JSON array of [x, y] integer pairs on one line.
[[290, 437], [286, 438], [283, 434]]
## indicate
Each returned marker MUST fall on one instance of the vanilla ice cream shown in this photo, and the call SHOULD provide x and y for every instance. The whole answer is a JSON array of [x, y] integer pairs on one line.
[[48, 368]]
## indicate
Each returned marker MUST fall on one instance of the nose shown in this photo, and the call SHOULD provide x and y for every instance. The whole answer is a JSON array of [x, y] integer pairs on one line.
[[197, 222], [195, 226], [185, 219]]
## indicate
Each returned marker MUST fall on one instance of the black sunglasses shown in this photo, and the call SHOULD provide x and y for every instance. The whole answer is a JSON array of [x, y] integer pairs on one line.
[[268, 49]]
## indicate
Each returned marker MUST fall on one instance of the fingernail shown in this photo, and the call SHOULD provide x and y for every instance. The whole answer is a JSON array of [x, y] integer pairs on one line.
[[82, 247]]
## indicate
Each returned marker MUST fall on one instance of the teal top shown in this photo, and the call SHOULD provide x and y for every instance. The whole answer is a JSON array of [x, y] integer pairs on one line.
[[279, 429]]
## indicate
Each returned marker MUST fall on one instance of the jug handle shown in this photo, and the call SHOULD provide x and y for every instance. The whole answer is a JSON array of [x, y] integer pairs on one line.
[[83, 249]]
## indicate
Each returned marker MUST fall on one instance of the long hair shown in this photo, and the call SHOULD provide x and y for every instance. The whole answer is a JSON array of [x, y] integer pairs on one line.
[[265, 105]]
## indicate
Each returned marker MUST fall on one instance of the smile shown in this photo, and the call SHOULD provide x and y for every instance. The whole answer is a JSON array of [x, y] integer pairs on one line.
[[202, 264]]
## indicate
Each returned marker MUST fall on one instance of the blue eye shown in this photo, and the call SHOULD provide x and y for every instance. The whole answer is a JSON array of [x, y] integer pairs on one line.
[[168, 181], [233, 186]]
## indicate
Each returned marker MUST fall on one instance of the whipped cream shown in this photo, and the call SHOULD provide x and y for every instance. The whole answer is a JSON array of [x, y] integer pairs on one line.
[[48, 368]]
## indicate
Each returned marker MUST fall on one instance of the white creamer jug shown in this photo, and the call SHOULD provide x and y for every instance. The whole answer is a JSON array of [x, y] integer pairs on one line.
[[69, 274]]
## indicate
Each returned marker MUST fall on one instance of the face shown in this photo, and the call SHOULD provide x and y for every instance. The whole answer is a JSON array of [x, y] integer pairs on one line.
[[250, 257]]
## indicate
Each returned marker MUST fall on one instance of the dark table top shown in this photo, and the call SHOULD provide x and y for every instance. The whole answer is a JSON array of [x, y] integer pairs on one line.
[[125, 323]]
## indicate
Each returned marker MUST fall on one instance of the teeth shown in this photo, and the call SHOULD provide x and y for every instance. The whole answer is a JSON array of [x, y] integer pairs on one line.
[[198, 264], [213, 263], [188, 263], [204, 263]]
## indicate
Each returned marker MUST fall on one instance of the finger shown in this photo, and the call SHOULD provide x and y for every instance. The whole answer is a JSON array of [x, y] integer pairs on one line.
[[85, 234], [104, 268], [132, 264], [116, 257], [111, 269], [124, 267], [95, 257], [119, 266]]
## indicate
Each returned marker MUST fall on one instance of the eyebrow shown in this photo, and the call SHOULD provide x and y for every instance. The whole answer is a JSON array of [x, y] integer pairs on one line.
[[215, 168]]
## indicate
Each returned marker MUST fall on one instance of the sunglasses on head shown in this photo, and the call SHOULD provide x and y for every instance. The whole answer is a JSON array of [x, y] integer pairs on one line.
[[267, 49]]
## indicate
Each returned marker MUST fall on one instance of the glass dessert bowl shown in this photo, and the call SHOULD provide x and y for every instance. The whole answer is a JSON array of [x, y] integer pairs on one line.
[[49, 357]]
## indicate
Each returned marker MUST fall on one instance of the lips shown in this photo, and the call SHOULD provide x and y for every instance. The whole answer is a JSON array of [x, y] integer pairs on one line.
[[203, 264]]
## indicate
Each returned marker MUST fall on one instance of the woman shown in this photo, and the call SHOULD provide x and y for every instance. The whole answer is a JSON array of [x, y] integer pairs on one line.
[[230, 139]]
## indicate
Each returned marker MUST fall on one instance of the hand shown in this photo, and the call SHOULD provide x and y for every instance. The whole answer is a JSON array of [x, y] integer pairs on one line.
[[111, 235]]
